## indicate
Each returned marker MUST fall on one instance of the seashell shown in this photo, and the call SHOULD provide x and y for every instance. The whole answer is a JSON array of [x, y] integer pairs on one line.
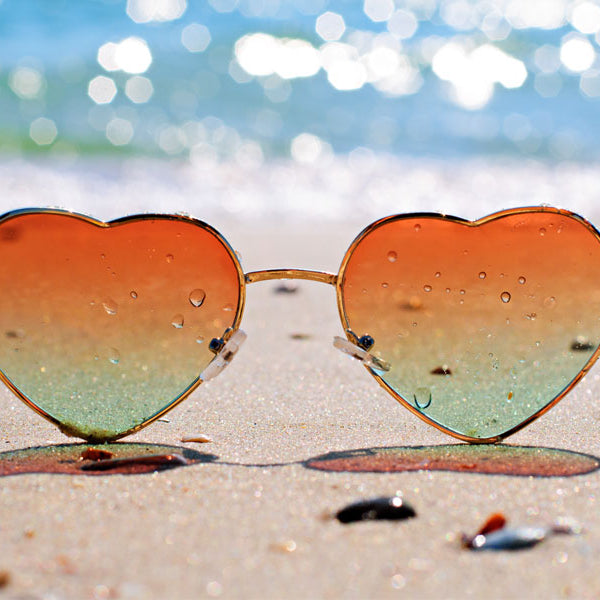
[[493, 535], [509, 538]]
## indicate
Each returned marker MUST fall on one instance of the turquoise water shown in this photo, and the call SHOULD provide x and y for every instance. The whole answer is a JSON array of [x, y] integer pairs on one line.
[[404, 79]]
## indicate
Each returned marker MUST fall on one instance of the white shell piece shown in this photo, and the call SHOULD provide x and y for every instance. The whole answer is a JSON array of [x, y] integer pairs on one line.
[[225, 355], [360, 354]]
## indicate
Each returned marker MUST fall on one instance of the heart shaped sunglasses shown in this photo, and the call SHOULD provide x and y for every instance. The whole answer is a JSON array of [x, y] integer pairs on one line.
[[477, 327]]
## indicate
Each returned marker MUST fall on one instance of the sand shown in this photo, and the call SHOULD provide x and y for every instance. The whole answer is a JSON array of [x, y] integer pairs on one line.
[[254, 520]]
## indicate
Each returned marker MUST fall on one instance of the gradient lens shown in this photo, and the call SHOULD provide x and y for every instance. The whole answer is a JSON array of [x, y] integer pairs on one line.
[[104, 327], [484, 324]]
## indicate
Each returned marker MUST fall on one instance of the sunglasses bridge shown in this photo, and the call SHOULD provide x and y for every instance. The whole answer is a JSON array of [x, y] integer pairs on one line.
[[357, 347], [272, 274]]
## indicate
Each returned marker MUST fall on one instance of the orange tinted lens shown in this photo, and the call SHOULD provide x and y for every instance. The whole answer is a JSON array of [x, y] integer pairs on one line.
[[104, 327], [484, 324]]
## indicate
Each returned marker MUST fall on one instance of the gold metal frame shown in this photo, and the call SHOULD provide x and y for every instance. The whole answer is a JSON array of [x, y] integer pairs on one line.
[[322, 277]]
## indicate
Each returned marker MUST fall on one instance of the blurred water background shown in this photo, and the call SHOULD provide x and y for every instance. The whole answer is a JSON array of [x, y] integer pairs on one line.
[[302, 107]]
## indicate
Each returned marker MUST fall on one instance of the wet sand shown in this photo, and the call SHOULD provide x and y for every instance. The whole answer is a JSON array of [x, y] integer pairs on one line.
[[253, 519]]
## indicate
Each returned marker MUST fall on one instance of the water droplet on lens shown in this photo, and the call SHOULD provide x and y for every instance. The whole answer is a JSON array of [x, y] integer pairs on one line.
[[114, 356], [522, 280], [505, 297], [531, 316], [438, 274], [447, 290], [170, 258], [462, 292], [199, 339], [133, 294], [385, 284], [228, 308], [482, 275], [197, 297], [542, 231], [427, 288], [392, 256], [177, 321], [417, 227], [422, 397], [550, 302], [110, 306]]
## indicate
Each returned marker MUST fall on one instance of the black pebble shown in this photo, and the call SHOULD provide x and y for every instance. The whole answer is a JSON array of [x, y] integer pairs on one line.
[[389, 508]]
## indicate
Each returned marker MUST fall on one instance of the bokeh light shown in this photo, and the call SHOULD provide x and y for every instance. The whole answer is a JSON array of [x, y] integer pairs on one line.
[[27, 82], [102, 90], [308, 148], [330, 26], [139, 89], [119, 131], [263, 54], [379, 10], [131, 55], [43, 131], [577, 54], [195, 37], [421, 77], [402, 24], [585, 17], [145, 11]]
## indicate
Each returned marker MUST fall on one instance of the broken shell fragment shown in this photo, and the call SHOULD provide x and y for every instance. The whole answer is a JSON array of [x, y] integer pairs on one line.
[[493, 535], [510, 538], [200, 439]]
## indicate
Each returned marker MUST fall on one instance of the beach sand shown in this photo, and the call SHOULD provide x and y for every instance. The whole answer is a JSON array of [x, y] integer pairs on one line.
[[254, 520]]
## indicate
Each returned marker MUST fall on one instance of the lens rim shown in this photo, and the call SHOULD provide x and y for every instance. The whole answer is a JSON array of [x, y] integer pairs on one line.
[[341, 280], [113, 224]]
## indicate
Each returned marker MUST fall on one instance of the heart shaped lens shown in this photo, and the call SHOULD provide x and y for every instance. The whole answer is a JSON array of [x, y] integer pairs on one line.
[[105, 327], [484, 324]]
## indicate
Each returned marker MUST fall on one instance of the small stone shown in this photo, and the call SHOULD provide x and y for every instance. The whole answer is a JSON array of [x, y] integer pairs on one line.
[[388, 508]]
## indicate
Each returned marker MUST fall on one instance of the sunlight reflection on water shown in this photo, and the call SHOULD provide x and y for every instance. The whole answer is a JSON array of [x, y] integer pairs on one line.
[[233, 78]]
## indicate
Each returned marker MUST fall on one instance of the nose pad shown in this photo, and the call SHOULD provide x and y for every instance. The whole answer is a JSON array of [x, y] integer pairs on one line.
[[225, 349], [359, 350]]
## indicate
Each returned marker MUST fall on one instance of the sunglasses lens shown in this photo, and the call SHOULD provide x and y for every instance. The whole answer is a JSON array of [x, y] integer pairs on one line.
[[483, 325], [104, 327]]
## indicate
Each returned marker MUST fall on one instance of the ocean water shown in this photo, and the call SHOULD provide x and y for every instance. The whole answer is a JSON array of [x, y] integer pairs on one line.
[[441, 78], [310, 108]]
